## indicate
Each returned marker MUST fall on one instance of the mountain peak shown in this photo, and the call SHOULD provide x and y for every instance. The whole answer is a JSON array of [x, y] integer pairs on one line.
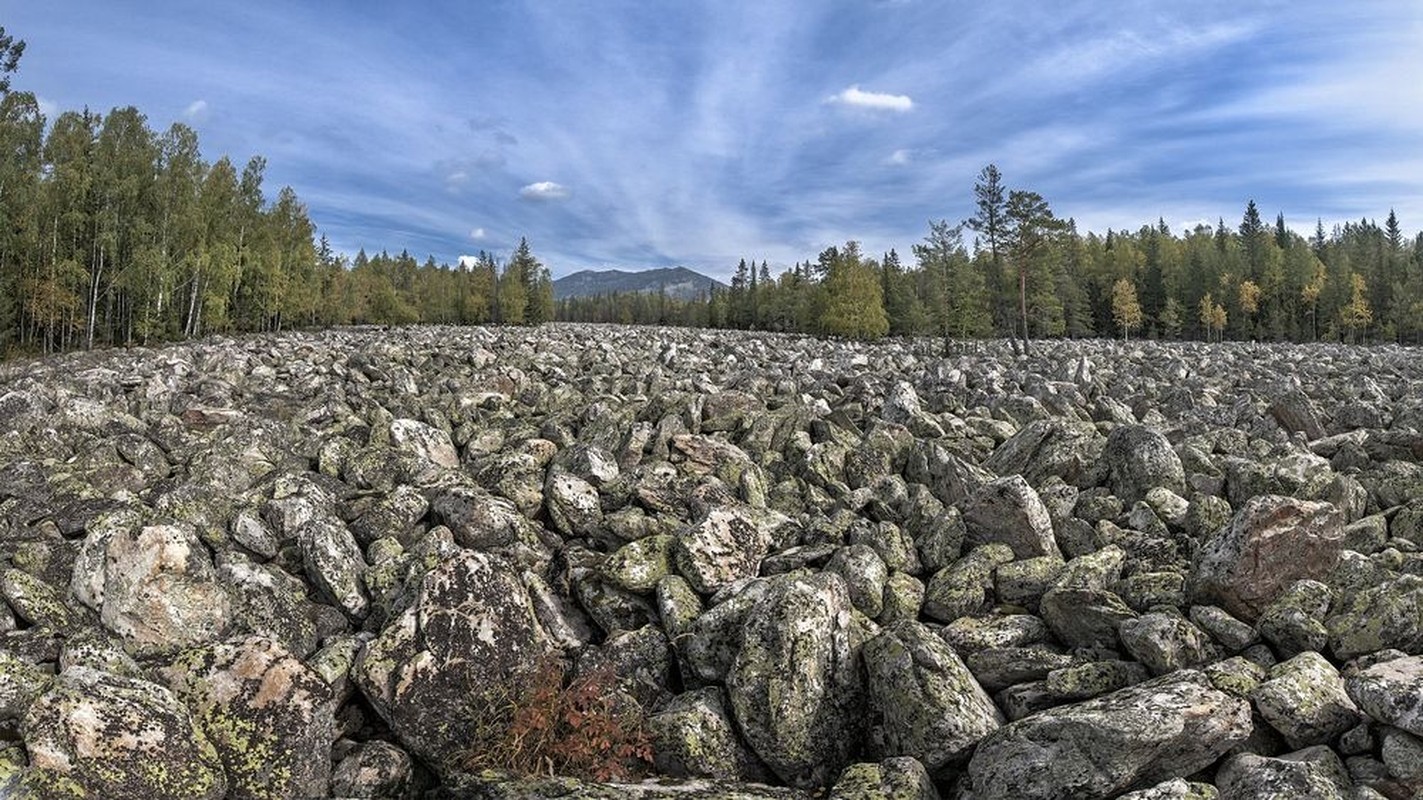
[[677, 282]]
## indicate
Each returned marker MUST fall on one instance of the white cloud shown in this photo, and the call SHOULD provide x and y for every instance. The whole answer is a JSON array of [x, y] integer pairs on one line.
[[196, 110], [455, 181], [898, 158], [878, 101], [48, 108], [477, 234], [544, 190], [469, 262]]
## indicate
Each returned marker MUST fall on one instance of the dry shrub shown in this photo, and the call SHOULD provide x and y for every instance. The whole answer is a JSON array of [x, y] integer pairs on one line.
[[546, 724]]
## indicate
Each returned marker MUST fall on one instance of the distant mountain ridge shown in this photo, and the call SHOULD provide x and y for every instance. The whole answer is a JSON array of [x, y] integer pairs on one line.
[[678, 282]]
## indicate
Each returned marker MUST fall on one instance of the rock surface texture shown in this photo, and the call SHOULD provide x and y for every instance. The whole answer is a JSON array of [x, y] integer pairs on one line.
[[334, 564]]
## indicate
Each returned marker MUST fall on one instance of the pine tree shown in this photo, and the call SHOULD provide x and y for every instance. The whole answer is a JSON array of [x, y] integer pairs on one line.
[[10, 52]]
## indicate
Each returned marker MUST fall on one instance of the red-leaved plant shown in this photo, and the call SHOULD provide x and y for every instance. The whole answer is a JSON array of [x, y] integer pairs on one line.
[[548, 724]]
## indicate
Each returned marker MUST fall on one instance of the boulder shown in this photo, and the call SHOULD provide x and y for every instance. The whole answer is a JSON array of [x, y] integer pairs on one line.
[[1140, 459], [372, 769], [1269, 544], [1315, 772], [795, 684], [1009, 511], [472, 627], [1304, 699], [900, 778], [154, 586], [693, 736], [269, 716], [931, 706], [726, 546], [1172, 726], [98, 735], [1391, 693]]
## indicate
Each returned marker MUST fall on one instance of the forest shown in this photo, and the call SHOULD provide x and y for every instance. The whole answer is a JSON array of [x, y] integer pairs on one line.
[[116, 234], [1027, 273]]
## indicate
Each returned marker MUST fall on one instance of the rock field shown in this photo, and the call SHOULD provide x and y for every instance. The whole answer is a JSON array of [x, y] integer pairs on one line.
[[290, 565]]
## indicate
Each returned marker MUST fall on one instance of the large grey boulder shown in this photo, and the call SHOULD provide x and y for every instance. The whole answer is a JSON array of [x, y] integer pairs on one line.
[[98, 735], [898, 778], [1172, 726], [1269, 544], [1378, 617], [1140, 459], [931, 706], [1315, 772], [1392, 693], [154, 586], [795, 684], [471, 628], [1009, 511], [726, 546], [270, 717], [694, 736], [334, 564], [1304, 699]]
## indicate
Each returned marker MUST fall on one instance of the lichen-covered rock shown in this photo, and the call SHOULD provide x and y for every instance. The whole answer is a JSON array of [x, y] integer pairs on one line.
[[1093, 679], [1165, 642], [1294, 622], [270, 717], [269, 601], [572, 504], [156, 588], [1168, 727], [372, 769], [693, 736], [1140, 459], [1315, 772], [931, 706], [1229, 632], [1086, 618], [795, 684], [20, 684], [430, 445], [1391, 692], [1009, 511], [899, 778], [968, 635], [1023, 583], [334, 564], [1174, 789], [1304, 699], [998, 668], [471, 628], [724, 547], [1387, 615], [963, 587], [864, 573], [96, 735], [34, 601], [638, 566], [1269, 544]]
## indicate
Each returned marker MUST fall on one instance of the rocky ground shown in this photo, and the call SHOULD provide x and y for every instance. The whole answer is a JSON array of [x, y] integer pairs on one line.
[[289, 566]]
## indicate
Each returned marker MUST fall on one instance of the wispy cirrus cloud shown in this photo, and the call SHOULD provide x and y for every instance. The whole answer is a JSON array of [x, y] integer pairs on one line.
[[698, 134]]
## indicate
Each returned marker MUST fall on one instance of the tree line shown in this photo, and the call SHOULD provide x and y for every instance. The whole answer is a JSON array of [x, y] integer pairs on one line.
[[112, 233], [1029, 274]]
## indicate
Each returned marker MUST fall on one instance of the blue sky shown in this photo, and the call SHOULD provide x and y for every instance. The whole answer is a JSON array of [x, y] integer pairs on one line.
[[645, 134]]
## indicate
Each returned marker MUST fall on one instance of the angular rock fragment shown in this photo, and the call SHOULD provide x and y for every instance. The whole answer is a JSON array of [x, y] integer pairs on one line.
[[1269, 544], [1171, 726]]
